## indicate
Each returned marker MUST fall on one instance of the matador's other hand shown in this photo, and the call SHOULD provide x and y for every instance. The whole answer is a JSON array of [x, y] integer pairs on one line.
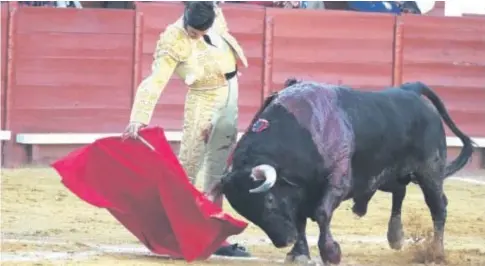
[[132, 130]]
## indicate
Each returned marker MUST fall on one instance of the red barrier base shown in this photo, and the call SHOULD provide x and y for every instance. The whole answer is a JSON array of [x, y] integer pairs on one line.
[[149, 193]]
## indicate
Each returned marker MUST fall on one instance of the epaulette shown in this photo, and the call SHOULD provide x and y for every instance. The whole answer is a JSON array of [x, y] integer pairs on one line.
[[175, 42]]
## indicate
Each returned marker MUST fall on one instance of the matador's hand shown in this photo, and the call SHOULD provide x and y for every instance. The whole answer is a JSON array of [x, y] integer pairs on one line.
[[132, 130]]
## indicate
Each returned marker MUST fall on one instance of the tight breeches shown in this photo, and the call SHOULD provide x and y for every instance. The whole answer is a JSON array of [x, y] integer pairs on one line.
[[209, 132]]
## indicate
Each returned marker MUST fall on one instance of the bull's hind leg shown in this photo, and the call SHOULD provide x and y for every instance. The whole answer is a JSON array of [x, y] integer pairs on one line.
[[300, 253], [395, 234], [432, 187]]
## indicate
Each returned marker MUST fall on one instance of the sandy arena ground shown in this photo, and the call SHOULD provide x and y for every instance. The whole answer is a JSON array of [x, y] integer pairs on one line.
[[42, 223]]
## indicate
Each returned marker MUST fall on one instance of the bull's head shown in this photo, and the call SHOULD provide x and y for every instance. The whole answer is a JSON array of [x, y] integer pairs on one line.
[[254, 194], [261, 172]]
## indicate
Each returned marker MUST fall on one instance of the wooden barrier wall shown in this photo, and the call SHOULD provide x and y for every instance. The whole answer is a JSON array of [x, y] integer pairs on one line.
[[3, 67], [77, 70], [448, 54], [342, 47], [64, 75]]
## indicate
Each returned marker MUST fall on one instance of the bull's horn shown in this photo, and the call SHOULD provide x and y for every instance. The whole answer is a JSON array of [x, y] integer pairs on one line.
[[269, 174]]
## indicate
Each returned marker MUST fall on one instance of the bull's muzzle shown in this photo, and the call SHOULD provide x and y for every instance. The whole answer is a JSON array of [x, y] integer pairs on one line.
[[263, 172]]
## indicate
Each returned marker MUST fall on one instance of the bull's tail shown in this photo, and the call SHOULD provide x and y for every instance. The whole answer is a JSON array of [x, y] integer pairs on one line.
[[467, 150]]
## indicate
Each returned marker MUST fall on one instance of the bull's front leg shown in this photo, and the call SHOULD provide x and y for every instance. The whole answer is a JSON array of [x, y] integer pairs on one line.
[[338, 188], [300, 252]]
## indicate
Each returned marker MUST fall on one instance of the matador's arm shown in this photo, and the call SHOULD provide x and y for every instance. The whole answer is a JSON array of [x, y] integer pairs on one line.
[[172, 48]]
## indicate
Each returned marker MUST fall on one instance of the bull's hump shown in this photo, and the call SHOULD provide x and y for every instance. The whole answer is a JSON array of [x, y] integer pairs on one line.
[[307, 89], [315, 107], [305, 99]]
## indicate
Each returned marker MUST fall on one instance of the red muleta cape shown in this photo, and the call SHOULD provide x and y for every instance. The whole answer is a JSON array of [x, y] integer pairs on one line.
[[149, 193]]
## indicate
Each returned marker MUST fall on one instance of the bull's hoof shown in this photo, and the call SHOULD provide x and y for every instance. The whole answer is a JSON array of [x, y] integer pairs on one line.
[[437, 251], [233, 250], [395, 234], [299, 259], [331, 253]]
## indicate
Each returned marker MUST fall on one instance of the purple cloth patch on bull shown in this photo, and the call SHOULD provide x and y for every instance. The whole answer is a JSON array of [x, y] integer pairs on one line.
[[260, 125], [315, 106]]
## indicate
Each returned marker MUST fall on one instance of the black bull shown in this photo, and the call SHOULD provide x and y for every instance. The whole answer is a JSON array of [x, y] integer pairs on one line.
[[312, 146]]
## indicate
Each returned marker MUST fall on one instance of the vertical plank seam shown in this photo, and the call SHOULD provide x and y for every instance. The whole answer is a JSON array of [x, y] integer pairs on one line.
[[13, 17], [5, 64], [268, 55], [138, 47], [398, 52]]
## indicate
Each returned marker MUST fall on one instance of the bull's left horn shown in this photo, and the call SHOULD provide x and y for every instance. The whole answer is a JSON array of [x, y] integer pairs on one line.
[[269, 174]]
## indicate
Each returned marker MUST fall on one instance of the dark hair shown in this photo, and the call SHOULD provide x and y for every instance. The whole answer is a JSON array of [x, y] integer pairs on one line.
[[199, 15]]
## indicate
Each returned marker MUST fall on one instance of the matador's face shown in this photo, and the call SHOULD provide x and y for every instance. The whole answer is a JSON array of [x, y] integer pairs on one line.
[[194, 33]]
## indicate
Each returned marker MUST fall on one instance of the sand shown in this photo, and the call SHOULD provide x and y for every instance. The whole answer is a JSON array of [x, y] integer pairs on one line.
[[36, 206]]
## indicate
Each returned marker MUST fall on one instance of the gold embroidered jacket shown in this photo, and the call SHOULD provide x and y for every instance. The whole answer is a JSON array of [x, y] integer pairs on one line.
[[200, 66]]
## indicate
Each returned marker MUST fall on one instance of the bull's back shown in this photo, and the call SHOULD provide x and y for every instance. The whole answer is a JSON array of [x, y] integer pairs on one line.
[[390, 127]]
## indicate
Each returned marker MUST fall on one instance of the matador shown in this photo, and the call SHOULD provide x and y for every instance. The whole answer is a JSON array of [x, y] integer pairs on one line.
[[200, 50]]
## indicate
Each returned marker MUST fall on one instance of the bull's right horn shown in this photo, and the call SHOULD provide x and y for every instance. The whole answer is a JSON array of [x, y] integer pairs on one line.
[[269, 174]]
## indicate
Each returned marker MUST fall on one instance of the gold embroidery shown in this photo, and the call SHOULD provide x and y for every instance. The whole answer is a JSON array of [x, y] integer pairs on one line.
[[175, 42], [200, 108], [198, 65], [203, 66], [166, 59]]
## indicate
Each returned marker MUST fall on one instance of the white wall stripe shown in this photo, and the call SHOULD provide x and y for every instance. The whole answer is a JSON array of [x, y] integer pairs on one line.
[[86, 138]]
